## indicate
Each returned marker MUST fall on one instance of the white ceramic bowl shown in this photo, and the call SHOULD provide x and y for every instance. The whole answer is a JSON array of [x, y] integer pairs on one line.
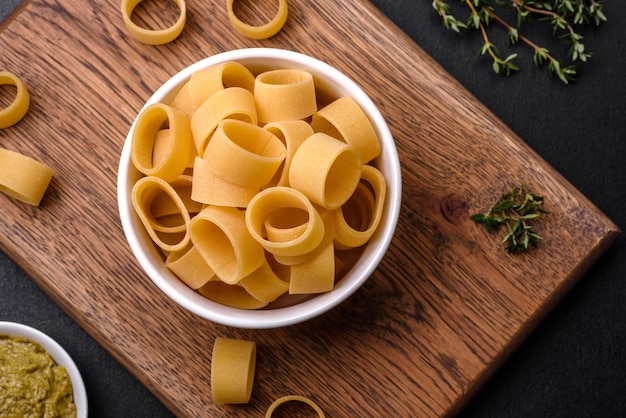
[[58, 354], [332, 82]]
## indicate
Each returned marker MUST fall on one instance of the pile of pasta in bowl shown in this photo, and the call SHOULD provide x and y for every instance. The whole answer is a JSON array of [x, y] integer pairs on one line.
[[259, 187]]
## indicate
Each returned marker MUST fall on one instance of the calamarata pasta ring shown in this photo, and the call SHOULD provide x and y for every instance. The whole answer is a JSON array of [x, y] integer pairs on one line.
[[23, 178], [259, 32], [144, 192], [233, 103], [205, 83], [221, 236], [318, 160], [292, 398], [281, 198], [174, 159], [13, 113], [366, 210], [293, 134], [285, 94], [211, 189], [344, 119], [258, 153], [149, 36], [233, 364]]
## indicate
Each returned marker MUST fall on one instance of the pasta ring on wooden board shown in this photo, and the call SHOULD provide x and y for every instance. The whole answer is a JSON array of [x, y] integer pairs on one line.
[[150, 36], [268, 30], [292, 398], [233, 364], [23, 178], [14, 112]]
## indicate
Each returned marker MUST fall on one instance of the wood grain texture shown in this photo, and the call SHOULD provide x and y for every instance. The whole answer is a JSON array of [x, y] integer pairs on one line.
[[446, 306]]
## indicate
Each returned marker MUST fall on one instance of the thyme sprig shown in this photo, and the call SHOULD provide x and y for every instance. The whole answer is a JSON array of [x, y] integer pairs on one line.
[[563, 15], [515, 211]]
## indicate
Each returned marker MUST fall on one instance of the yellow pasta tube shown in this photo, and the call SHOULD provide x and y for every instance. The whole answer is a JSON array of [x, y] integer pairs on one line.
[[14, 112], [170, 224], [284, 95], [233, 364], [23, 178], [292, 133], [345, 120], [162, 205], [353, 219], [294, 398], [358, 219], [183, 101], [263, 284], [189, 266], [208, 81], [210, 189], [315, 275], [232, 103], [161, 148], [279, 198], [268, 30], [166, 237], [175, 157], [329, 234], [243, 153], [231, 295], [149, 36], [222, 238], [285, 224], [326, 170]]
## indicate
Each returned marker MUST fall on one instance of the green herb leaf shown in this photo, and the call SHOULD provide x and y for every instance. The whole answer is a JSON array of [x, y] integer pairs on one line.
[[515, 210], [561, 15]]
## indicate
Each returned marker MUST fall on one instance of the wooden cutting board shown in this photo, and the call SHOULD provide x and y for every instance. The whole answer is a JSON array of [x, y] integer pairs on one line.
[[444, 310]]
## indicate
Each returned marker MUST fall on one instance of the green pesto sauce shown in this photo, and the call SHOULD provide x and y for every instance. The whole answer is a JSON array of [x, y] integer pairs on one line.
[[31, 383]]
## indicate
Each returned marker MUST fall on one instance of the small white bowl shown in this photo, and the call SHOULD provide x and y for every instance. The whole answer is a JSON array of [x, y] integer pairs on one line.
[[335, 84], [59, 355]]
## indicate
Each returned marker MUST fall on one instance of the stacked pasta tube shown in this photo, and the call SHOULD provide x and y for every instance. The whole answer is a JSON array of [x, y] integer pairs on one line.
[[251, 189]]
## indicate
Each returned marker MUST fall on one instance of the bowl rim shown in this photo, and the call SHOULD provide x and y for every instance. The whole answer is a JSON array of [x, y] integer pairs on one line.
[[60, 356], [300, 312]]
